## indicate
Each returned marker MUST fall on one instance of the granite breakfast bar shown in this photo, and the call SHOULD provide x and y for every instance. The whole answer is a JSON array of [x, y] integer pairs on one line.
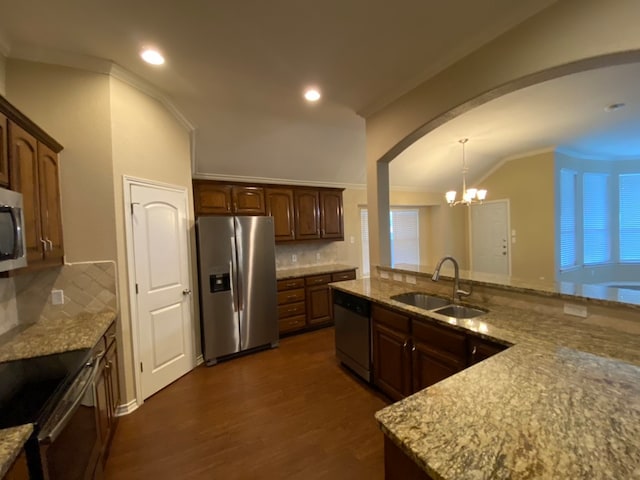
[[562, 402]]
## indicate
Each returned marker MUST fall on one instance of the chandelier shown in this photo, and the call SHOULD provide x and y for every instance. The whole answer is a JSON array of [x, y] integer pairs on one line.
[[469, 196]]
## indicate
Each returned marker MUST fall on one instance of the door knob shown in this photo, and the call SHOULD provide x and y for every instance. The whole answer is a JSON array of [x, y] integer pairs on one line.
[[186, 291]]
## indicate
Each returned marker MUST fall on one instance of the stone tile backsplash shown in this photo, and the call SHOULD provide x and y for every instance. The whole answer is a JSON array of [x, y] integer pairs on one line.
[[87, 287], [8, 305], [306, 254]]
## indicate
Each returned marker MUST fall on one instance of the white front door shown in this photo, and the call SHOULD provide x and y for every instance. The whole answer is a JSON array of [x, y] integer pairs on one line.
[[165, 326], [490, 248]]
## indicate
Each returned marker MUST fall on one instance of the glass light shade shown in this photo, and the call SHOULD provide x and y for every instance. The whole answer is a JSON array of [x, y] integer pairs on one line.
[[482, 194], [450, 196], [471, 193]]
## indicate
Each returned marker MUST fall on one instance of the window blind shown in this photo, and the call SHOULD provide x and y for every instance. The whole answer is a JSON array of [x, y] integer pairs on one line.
[[629, 198], [595, 214], [567, 218], [405, 245]]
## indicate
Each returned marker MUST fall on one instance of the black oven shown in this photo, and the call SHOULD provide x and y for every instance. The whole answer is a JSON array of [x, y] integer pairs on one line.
[[57, 394]]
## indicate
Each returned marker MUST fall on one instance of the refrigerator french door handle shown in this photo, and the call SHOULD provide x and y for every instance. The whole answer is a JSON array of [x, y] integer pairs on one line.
[[233, 269]]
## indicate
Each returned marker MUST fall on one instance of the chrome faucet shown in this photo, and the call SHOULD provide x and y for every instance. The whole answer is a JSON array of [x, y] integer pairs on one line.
[[457, 293]]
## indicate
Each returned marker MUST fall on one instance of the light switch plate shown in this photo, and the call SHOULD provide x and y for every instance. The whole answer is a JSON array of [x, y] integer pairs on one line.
[[294, 258], [57, 297]]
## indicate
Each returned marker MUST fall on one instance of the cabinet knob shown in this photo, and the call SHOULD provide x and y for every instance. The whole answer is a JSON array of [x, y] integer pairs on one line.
[[186, 291]]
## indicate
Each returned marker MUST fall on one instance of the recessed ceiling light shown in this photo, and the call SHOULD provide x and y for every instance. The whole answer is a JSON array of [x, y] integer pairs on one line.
[[312, 94], [152, 56], [613, 107]]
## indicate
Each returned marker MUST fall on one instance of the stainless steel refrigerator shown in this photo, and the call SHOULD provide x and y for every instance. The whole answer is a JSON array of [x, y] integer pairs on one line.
[[237, 272]]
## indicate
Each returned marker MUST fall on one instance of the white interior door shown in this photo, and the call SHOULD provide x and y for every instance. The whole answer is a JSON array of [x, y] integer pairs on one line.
[[490, 248], [165, 324]]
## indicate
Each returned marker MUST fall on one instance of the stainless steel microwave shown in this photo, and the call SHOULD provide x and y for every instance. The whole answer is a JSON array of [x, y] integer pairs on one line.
[[12, 247]]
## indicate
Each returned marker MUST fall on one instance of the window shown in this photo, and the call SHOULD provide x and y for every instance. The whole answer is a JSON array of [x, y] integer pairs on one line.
[[595, 218], [629, 197], [405, 241], [567, 218]]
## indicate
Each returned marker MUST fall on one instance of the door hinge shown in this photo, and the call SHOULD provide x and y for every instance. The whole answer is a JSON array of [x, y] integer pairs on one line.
[[136, 288], [141, 368]]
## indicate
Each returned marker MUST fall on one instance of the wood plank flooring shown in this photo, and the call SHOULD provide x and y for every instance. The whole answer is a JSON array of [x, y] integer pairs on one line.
[[288, 413]]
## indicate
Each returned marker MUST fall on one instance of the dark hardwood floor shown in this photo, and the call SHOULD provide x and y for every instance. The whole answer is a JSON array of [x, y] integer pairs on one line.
[[288, 413]]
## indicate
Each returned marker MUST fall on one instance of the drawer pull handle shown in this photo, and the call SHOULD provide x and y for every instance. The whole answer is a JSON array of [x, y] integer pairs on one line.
[[291, 310], [293, 323], [291, 297]]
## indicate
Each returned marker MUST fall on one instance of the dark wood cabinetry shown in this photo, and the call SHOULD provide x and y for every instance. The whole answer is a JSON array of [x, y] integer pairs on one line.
[[305, 302], [307, 210], [318, 299], [391, 333], [4, 152], [299, 213], [331, 218], [279, 205], [213, 198], [411, 354], [480, 349], [29, 164], [19, 469]]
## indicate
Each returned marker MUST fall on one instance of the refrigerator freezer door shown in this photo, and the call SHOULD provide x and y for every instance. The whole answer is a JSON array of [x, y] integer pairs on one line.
[[256, 282], [216, 265]]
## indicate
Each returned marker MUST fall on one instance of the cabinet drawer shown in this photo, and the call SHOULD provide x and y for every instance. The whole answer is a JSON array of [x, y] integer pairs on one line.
[[340, 276], [317, 280], [290, 296], [290, 283], [291, 323], [291, 310], [390, 318], [441, 338]]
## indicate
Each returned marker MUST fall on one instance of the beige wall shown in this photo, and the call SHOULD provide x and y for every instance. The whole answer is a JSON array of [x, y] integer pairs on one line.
[[73, 107], [528, 184], [3, 75], [569, 31], [148, 143]]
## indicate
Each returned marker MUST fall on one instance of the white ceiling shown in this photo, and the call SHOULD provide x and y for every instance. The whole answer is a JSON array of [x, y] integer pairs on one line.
[[566, 113], [237, 69]]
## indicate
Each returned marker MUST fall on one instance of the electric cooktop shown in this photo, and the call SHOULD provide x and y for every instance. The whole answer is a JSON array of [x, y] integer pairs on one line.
[[31, 387]]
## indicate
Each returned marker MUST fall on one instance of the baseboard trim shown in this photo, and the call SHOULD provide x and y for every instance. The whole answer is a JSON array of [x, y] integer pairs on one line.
[[127, 408], [199, 360]]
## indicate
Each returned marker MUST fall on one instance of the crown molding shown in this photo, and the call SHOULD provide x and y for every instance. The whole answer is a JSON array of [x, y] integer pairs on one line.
[[275, 181], [590, 156]]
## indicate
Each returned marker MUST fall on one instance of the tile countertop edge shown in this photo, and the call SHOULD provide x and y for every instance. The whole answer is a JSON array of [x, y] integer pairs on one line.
[[12, 441], [286, 273]]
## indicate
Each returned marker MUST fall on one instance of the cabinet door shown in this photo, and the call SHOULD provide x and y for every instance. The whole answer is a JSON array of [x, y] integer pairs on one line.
[[102, 403], [391, 361], [23, 151], [212, 199], [114, 381], [279, 205], [430, 366], [307, 208], [331, 214], [248, 200], [480, 349], [318, 305], [51, 220], [4, 157]]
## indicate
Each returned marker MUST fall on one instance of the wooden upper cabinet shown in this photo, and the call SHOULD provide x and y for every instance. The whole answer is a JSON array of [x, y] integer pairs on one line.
[[23, 152], [279, 205], [331, 214], [50, 210], [307, 209], [4, 158], [248, 200], [212, 198]]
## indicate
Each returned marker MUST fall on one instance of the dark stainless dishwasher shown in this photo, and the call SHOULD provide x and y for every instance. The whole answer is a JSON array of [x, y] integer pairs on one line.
[[353, 332]]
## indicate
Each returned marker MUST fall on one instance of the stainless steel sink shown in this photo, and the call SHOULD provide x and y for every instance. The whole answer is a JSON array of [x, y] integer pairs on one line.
[[421, 300], [460, 311]]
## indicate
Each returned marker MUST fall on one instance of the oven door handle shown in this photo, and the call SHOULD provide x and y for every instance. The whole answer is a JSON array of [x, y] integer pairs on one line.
[[50, 434]]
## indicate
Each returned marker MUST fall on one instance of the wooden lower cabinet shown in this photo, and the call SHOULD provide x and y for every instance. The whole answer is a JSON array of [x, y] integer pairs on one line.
[[19, 470], [291, 305], [391, 352], [318, 294], [411, 354], [398, 466]]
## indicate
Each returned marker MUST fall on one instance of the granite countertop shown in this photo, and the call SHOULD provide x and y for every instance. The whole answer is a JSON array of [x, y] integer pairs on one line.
[[11, 442], [44, 338], [282, 274], [564, 402]]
